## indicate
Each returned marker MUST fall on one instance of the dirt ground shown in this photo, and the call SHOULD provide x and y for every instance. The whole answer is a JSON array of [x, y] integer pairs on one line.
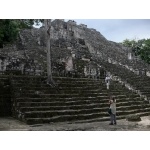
[[11, 124]]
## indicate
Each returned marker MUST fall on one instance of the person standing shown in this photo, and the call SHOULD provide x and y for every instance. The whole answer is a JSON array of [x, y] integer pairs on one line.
[[107, 81], [113, 111]]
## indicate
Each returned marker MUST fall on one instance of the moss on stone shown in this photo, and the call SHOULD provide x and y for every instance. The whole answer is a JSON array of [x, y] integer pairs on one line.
[[133, 118]]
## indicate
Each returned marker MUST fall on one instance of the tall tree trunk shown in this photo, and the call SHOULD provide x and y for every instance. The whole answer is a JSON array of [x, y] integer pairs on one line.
[[47, 23]]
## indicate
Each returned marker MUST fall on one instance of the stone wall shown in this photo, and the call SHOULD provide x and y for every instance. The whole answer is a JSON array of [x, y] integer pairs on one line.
[[68, 41], [5, 99]]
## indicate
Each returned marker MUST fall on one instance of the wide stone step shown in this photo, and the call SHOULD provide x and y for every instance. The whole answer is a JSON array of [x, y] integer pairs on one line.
[[57, 108], [55, 99], [66, 80], [146, 92], [63, 84], [66, 118], [47, 114], [141, 86], [16, 89], [114, 89], [138, 80], [72, 86], [31, 85], [146, 82], [86, 93], [132, 107], [80, 85], [144, 89], [78, 91], [50, 95], [122, 102], [67, 103], [60, 88], [82, 107], [63, 95], [116, 96], [68, 89], [108, 118], [80, 118], [84, 82], [133, 111], [76, 99]]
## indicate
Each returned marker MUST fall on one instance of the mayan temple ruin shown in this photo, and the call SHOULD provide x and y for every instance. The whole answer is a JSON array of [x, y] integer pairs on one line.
[[80, 59]]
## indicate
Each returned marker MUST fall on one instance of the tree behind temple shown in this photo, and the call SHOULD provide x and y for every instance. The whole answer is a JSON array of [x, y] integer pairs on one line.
[[9, 29]]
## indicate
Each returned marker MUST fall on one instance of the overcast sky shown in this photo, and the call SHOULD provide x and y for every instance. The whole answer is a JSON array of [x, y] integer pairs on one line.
[[119, 29]]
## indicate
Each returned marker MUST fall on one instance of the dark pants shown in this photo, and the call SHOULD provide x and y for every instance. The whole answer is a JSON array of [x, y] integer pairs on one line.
[[113, 118]]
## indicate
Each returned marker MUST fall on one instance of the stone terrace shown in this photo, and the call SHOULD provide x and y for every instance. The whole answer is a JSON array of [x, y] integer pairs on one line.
[[77, 100]]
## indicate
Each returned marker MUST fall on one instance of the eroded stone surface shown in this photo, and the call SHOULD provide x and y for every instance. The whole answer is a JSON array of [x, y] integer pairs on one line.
[[10, 124]]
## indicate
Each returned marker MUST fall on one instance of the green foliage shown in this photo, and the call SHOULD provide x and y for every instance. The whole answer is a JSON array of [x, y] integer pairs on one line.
[[128, 43], [9, 28], [140, 47], [144, 51]]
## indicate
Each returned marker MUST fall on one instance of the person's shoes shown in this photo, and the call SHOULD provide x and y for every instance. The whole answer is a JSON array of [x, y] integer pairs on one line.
[[111, 124], [115, 123]]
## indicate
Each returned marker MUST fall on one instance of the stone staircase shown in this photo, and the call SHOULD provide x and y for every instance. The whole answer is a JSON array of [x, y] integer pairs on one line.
[[5, 97], [138, 82], [77, 100]]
